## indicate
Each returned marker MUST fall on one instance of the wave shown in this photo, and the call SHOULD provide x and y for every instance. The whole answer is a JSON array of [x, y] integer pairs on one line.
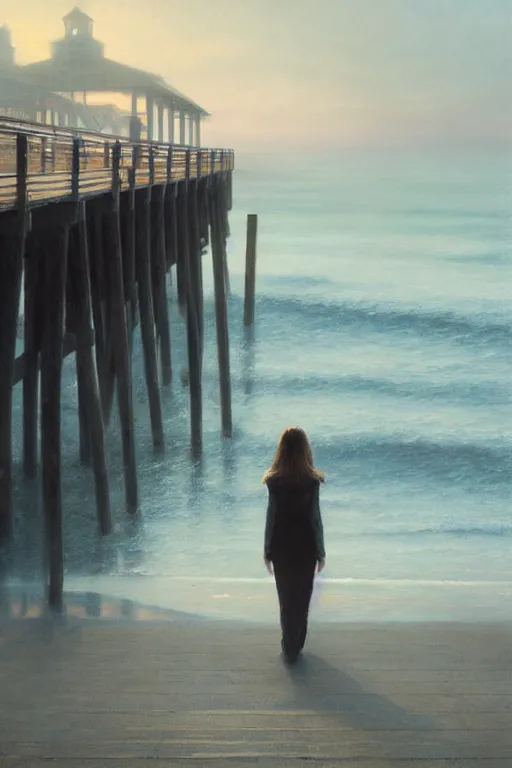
[[459, 532], [461, 392], [325, 316], [468, 463], [457, 213], [364, 461], [494, 259]]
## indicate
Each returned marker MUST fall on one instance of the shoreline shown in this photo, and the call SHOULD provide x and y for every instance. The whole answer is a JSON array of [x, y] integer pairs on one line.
[[145, 598]]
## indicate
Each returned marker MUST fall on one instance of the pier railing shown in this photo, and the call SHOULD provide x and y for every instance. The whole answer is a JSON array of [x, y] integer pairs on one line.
[[61, 163]]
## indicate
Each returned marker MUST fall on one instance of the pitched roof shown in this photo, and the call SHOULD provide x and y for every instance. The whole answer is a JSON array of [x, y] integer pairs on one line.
[[100, 74], [19, 92], [76, 13]]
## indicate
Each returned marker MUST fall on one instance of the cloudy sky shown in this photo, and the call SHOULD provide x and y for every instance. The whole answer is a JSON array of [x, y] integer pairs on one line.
[[306, 73]]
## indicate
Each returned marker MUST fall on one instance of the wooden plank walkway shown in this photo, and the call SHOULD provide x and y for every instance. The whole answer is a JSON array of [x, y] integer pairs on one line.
[[54, 173], [92, 693]]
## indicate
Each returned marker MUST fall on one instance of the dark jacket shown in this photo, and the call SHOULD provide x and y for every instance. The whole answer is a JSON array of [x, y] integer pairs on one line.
[[294, 527]]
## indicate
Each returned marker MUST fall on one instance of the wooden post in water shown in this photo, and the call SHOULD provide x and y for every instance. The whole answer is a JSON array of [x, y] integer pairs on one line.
[[73, 298], [181, 247], [200, 187], [129, 273], [158, 263], [250, 269], [170, 238], [55, 258], [11, 262], [147, 323], [196, 267], [221, 314], [121, 353], [224, 225], [171, 226], [86, 371], [99, 301], [204, 233], [12, 245], [32, 322], [190, 275]]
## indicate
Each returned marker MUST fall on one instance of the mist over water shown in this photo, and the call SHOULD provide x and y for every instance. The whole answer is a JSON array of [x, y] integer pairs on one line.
[[383, 327]]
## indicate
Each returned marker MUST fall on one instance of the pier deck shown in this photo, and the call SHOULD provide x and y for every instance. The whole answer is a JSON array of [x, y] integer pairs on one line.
[[52, 174]]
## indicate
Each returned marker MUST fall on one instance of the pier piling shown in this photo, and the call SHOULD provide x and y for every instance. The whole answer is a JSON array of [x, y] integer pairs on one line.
[[221, 314], [189, 276], [11, 266], [171, 227], [250, 269], [127, 204], [120, 348], [87, 373], [32, 323], [159, 281], [55, 257], [12, 247], [99, 293], [146, 311], [91, 229]]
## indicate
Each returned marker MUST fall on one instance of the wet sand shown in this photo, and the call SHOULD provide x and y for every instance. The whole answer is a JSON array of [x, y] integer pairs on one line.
[[184, 691]]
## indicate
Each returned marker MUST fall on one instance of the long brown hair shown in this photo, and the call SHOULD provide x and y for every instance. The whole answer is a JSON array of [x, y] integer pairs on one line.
[[293, 458]]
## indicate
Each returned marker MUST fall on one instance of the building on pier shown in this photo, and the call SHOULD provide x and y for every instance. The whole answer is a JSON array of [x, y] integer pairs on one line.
[[22, 99], [78, 68]]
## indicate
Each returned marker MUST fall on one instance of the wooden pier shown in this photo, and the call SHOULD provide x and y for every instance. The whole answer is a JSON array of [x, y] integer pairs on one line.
[[89, 228]]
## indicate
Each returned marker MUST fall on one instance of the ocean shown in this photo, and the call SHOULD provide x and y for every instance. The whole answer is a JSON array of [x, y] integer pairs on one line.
[[383, 327]]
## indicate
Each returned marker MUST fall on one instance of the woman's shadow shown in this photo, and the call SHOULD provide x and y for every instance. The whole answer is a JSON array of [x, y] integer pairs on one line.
[[320, 686]]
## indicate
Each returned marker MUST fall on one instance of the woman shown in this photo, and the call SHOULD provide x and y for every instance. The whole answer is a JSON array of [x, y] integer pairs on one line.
[[294, 539]]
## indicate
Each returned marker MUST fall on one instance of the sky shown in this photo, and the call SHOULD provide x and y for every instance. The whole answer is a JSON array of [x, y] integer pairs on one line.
[[308, 74]]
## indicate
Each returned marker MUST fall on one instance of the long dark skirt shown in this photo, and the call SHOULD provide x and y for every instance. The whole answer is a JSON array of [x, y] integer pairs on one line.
[[294, 582]]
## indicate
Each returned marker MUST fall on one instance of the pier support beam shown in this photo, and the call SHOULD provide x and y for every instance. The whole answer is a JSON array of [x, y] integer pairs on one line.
[[86, 371], [171, 227], [221, 314], [55, 258], [147, 320], [33, 319], [196, 264], [187, 295], [159, 275], [50, 227], [128, 248], [12, 239], [13, 227], [121, 355], [100, 306]]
